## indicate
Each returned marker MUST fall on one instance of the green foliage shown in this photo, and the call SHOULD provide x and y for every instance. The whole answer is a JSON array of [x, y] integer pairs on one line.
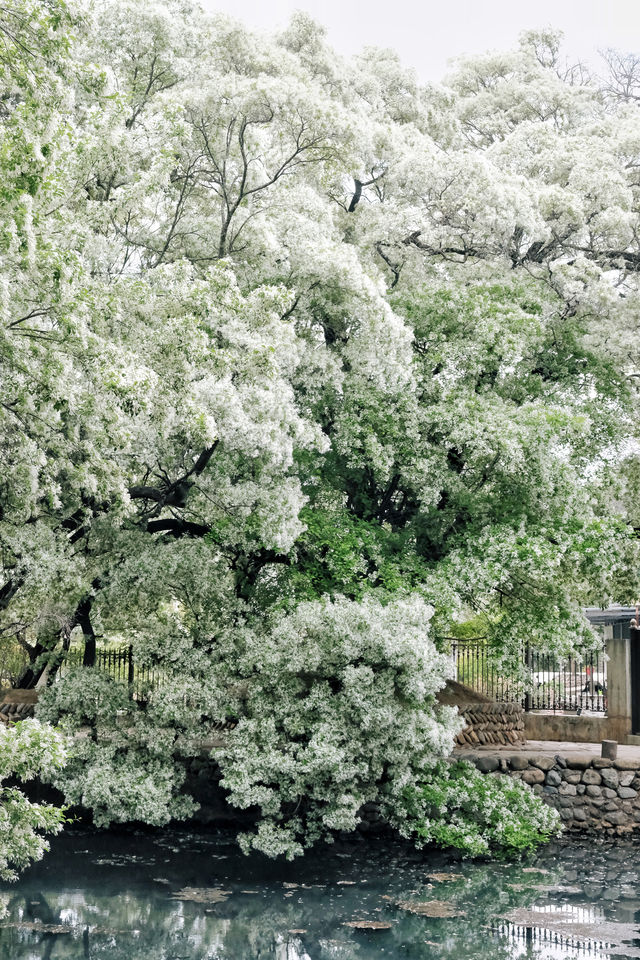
[[27, 749], [478, 814], [340, 554]]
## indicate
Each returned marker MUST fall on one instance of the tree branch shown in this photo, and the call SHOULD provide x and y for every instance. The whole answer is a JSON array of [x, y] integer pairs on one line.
[[175, 494]]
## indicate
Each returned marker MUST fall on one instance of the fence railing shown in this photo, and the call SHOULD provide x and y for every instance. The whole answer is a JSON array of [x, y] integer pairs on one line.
[[578, 684], [120, 664]]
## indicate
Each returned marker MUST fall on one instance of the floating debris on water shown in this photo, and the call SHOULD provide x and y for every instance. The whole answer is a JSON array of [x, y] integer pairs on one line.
[[430, 908], [202, 894], [367, 924], [52, 929]]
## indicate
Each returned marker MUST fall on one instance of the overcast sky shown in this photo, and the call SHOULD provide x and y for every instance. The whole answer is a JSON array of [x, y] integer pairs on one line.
[[426, 34]]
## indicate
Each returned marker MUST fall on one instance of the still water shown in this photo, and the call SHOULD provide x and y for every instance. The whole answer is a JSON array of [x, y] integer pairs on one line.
[[194, 896]]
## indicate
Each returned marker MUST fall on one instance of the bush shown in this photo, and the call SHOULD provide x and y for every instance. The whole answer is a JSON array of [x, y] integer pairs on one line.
[[27, 749], [340, 709], [477, 814], [335, 705], [120, 765]]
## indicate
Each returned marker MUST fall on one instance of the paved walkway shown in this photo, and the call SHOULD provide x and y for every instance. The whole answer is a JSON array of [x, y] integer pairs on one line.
[[547, 748]]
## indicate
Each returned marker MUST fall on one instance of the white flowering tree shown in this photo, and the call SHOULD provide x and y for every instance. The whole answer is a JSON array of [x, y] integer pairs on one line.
[[294, 351], [338, 710], [27, 750]]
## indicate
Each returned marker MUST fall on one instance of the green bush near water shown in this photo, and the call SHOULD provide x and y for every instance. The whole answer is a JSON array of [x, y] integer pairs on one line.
[[479, 814]]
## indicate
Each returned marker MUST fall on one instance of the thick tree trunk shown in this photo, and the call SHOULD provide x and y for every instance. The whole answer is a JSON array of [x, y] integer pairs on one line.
[[38, 662], [83, 619]]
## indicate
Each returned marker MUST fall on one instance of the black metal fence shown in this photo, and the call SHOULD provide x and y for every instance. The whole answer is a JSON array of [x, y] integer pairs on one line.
[[119, 663], [578, 685], [548, 683]]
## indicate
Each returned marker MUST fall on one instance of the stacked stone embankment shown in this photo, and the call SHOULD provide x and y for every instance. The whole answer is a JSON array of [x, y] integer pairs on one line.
[[17, 705], [486, 722], [590, 793], [499, 723]]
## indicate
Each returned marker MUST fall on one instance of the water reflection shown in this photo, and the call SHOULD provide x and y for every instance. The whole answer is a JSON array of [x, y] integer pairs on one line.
[[538, 939], [189, 896]]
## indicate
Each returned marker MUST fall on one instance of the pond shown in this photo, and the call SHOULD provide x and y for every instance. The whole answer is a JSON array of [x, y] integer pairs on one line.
[[181, 895]]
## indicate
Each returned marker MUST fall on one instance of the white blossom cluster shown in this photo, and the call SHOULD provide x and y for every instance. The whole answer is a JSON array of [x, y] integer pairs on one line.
[[27, 749], [340, 710]]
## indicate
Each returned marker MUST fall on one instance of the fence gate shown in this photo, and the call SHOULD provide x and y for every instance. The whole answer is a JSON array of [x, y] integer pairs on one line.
[[555, 685]]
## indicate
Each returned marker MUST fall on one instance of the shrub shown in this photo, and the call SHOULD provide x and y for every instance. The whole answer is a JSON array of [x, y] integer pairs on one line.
[[477, 814], [340, 709], [27, 749], [121, 765]]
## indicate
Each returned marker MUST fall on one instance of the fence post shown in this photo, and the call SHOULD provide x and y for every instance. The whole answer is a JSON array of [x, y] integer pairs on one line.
[[527, 697], [130, 670], [618, 685], [634, 662]]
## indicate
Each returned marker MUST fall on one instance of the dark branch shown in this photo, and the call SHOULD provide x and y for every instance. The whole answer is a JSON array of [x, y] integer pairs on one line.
[[178, 527], [175, 494]]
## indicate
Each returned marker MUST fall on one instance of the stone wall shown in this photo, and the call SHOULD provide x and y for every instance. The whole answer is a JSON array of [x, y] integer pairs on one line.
[[569, 728], [17, 705], [590, 793]]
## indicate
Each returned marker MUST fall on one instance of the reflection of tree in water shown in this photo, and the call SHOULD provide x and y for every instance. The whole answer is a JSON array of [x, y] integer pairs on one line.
[[142, 921], [125, 909], [36, 910], [131, 925]]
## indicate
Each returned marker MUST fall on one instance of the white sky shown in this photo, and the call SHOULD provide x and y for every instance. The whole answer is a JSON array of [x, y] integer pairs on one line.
[[426, 34]]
